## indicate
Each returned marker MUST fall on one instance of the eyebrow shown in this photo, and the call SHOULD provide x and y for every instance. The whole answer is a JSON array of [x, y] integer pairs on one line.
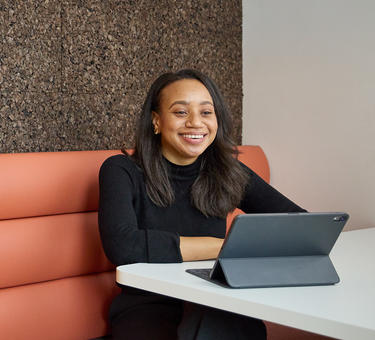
[[183, 102]]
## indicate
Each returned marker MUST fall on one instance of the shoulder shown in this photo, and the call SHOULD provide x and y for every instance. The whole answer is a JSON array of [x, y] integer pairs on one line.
[[120, 163], [118, 160]]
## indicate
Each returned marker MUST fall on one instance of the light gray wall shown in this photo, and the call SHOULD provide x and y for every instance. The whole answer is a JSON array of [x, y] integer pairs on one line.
[[309, 100]]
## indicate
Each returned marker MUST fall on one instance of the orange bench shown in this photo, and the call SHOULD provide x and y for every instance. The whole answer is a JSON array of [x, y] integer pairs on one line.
[[55, 281]]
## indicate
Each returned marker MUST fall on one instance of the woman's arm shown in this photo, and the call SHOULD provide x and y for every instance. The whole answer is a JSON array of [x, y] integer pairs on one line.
[[200, 248], [123, 241], [260, 197]]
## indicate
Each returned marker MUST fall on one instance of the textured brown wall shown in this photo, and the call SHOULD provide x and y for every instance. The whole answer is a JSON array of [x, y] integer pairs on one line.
[[74, 74]]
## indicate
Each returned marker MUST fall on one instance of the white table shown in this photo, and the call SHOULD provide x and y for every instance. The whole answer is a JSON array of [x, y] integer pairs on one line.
[[345, 310]]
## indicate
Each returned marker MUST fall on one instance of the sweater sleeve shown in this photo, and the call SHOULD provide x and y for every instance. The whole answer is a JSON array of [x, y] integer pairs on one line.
[[123, 240], [260, 197]]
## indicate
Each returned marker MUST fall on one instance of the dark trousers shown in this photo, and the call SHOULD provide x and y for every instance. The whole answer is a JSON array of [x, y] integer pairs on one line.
[[184, 321]]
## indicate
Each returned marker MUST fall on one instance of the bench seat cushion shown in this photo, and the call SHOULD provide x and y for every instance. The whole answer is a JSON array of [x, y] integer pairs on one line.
[[72, 308]]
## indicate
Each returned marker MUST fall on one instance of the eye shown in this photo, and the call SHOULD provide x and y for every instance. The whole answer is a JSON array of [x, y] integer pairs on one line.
[[180, 112], [207, 112]]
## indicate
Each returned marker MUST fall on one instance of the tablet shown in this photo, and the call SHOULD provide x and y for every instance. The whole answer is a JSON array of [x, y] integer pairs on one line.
[[277, 250]]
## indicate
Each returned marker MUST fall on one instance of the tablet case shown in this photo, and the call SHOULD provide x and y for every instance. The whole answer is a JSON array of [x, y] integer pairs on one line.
[[276, 250]]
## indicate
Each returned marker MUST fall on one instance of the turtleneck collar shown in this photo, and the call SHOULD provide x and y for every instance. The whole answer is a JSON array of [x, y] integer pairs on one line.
[[184, 171]]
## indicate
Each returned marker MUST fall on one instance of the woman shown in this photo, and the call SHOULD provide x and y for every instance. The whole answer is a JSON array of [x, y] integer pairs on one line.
[[168, 203]]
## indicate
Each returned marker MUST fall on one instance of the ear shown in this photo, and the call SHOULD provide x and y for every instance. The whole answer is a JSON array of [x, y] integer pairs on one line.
[[155, 120]]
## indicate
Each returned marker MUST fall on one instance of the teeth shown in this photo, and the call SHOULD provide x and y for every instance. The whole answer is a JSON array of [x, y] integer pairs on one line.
[[193, 136]]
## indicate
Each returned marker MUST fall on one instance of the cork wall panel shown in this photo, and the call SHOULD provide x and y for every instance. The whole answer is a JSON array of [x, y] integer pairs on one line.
[[30, 46], [31, 121], [74, 74]]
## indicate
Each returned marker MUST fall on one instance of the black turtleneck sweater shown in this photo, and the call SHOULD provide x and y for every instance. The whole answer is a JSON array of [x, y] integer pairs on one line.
[[133, 229]]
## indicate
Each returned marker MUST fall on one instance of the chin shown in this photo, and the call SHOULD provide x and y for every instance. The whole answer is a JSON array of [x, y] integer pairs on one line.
[[196, 152]]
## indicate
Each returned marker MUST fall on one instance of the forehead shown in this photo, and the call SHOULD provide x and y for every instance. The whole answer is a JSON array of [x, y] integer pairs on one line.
[[189, 90]]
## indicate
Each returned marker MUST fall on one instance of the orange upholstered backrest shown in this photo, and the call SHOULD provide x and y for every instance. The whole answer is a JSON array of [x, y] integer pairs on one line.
[[254, 157], [48, 219], [49, 183]]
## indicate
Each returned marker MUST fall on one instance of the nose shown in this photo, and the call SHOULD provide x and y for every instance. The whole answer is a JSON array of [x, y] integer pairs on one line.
[[194, 120]]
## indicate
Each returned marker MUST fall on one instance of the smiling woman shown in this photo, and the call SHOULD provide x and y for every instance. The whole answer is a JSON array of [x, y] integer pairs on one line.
[[168, 203], [184, 117]]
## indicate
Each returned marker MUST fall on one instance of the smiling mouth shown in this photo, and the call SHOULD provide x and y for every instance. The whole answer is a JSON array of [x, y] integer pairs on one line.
[[190, 136]]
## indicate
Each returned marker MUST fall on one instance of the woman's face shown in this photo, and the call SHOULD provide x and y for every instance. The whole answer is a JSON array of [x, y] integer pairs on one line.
[[186, 121]]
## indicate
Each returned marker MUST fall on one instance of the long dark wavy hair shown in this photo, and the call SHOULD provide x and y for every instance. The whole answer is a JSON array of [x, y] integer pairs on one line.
[[221, 182]]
